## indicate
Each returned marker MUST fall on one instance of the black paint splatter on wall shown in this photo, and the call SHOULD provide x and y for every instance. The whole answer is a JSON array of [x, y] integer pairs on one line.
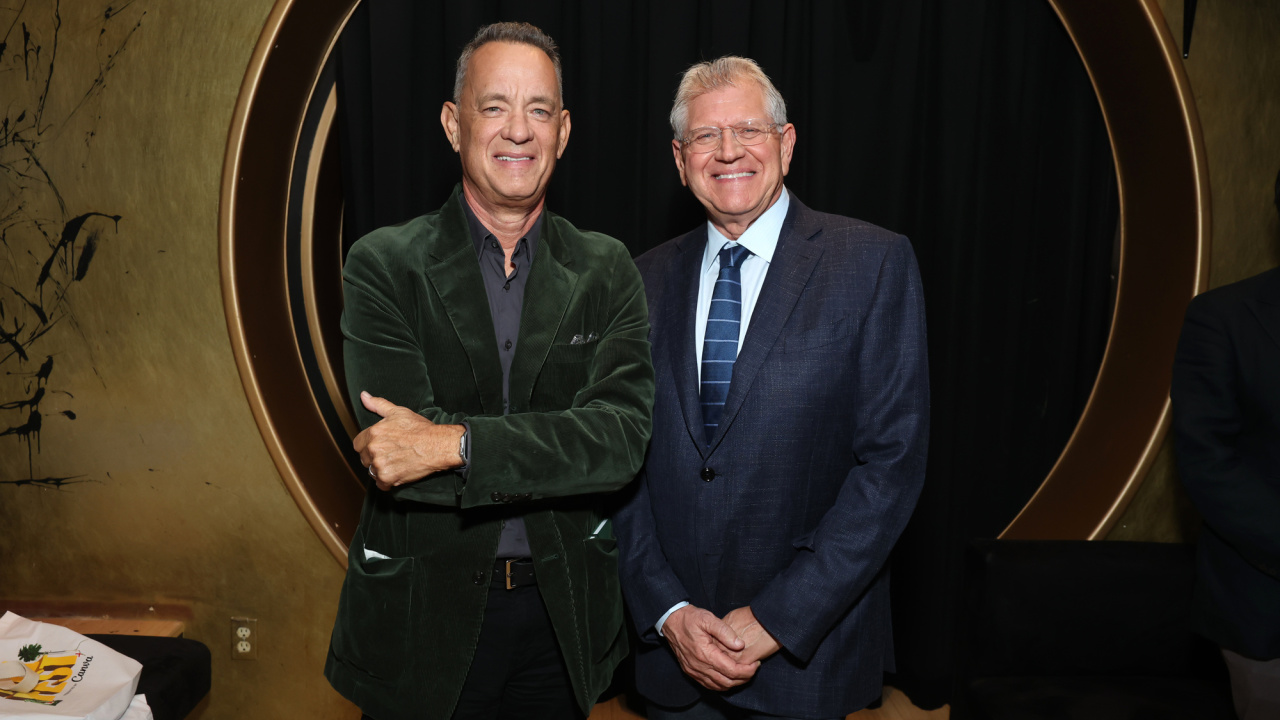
[[47, 242]]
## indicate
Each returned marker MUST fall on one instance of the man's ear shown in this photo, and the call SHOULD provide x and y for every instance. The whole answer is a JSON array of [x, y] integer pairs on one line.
[[449, 121], [676, 147], [564, 133], [788, 146]]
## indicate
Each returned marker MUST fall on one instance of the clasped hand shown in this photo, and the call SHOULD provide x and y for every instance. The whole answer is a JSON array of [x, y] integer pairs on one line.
[[718, 654], [403, 446]]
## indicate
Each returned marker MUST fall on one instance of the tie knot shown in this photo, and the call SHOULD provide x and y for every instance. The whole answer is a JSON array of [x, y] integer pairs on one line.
[[733, 255]]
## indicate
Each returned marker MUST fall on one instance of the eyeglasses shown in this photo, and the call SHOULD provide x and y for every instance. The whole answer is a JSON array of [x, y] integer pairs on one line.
[[706, 139]]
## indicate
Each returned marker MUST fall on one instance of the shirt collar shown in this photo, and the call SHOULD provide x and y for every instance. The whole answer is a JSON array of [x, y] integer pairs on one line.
[[761, 238], [479, 233]]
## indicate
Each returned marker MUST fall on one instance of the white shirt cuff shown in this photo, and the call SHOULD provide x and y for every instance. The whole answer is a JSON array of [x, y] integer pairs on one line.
[[658, 625]]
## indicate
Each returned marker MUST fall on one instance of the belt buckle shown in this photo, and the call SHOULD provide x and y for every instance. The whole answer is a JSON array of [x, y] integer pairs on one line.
[[509, 585]]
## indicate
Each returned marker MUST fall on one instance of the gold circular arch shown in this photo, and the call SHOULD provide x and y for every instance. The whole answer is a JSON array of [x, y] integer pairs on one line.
[[1165, 227], [1161, 171]]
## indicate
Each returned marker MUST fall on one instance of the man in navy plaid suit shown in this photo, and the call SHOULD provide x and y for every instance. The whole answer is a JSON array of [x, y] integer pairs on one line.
[[789, 430]]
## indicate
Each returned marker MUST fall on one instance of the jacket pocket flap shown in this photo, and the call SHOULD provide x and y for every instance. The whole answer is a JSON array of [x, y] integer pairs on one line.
[[819, 336], [374, 613], [805, 541]]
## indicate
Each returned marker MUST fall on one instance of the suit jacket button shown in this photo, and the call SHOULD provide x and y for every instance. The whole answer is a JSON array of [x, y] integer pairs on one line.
[[708, 474], [478, 578], [495, 496]]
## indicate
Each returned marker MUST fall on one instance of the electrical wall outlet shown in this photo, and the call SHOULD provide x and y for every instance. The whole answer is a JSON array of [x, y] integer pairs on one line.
[[244, 638]]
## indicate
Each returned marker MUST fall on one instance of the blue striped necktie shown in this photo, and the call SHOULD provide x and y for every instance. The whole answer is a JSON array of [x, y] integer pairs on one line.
[[720, 344]]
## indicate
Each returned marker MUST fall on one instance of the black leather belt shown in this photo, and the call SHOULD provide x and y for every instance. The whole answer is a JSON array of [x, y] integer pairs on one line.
[[512, 573]]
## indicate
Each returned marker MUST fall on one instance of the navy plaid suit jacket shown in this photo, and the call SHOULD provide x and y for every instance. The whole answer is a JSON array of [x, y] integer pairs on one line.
[[815, 468]]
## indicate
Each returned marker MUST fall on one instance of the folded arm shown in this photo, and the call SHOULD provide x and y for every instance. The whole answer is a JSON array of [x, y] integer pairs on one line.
[[595, 445]]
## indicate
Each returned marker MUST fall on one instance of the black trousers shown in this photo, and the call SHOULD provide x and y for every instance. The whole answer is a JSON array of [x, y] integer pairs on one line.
[[517, 671]]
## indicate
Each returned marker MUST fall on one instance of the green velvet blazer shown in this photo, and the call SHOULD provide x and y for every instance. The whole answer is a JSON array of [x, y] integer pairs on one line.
[[419, 333]]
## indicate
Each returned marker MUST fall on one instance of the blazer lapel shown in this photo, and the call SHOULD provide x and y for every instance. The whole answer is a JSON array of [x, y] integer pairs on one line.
[[454, 272], [680, 314], [546, 298], [1266, 306], [793, 264]]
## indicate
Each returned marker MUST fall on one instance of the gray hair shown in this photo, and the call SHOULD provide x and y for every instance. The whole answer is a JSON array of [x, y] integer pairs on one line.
[[727, 71], [520, 33]]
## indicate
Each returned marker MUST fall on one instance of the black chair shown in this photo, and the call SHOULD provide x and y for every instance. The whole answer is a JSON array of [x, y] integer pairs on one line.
[[1080, 630], [176, 672]]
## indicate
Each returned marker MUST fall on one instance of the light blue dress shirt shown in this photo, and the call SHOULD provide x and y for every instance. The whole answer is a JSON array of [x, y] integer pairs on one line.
[[761, 238]]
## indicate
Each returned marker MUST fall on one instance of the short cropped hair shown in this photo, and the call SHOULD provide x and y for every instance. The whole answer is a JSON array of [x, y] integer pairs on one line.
[[521, 33], [727, 71]]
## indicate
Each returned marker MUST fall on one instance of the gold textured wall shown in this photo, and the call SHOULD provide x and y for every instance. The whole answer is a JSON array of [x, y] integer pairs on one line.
[[160, 489], [1234, 70]]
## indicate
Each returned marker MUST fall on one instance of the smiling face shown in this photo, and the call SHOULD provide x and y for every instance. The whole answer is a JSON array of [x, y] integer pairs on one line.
[[507, 127], [736, 183]]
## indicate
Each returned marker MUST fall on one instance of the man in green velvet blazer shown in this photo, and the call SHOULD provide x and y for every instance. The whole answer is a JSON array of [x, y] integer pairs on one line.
[[476, 444]]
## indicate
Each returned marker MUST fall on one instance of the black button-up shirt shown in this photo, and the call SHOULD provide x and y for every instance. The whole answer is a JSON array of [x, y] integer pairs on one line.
[[506, 302]]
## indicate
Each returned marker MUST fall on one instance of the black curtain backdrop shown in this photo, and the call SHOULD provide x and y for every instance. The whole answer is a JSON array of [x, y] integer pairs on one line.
[[969, 126]]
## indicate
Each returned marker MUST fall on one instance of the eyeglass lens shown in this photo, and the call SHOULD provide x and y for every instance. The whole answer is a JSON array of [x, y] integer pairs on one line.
[[708, 138]]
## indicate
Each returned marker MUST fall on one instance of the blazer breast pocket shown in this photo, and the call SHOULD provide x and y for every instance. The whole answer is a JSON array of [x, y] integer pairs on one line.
[[571, 352], [818, 337], [565, 372]]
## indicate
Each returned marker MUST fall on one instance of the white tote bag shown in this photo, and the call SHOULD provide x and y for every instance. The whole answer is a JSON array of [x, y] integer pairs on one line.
[[48, 672], [138, 709]]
